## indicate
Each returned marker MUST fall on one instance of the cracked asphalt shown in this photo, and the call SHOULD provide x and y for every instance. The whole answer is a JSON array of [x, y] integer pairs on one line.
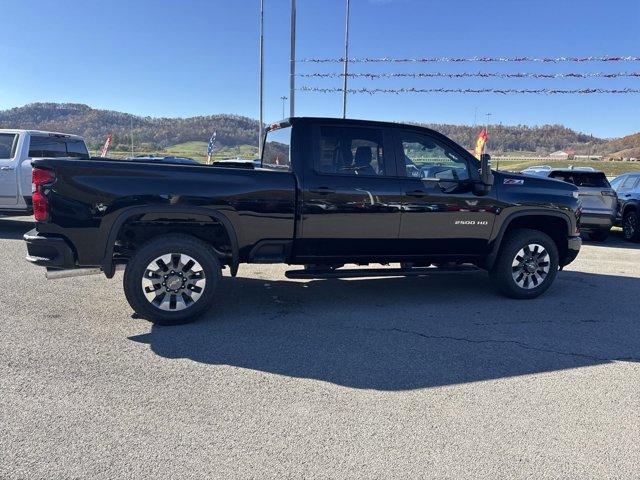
[[435, 377]]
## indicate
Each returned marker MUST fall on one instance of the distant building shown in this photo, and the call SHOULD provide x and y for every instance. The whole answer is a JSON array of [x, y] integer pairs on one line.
[[559, 155]]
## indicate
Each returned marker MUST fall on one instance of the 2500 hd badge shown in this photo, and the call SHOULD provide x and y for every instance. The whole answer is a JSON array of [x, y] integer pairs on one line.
[[471, 222]]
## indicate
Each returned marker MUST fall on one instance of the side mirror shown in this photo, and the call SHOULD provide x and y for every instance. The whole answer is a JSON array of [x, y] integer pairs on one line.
[[485, 170]]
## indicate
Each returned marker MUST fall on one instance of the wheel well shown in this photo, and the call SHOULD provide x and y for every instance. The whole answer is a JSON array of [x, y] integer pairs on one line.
[[555, 227], [141, 228], [630, 207]]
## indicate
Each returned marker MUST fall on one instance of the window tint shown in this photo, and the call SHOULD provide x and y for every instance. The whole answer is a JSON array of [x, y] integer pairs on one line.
[[8, 144], [582, 179], [77, 148], [57, 147], [425, 157], [275, 153], [350, 151]]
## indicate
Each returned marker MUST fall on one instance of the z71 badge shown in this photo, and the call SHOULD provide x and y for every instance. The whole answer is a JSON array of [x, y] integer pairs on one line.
[[513, 181]]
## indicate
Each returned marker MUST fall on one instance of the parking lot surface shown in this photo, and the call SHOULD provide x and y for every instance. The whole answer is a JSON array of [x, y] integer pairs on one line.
[[364, 378]]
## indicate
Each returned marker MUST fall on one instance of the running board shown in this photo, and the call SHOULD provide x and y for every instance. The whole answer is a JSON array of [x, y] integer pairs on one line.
[[377, 272]]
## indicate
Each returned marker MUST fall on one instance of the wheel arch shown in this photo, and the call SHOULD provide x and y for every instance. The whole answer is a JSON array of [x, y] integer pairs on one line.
[[108, 265], [542, 220]]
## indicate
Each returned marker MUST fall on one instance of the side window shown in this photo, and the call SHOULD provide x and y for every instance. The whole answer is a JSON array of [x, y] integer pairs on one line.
[[629, 182], [425, 157], [47, 147], [615, 183], [275, 153], [350, 151], [8, 144]]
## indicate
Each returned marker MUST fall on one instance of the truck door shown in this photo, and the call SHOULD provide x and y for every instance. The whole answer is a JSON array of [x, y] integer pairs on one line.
[[351, 194], [441, 215], [8, 170]]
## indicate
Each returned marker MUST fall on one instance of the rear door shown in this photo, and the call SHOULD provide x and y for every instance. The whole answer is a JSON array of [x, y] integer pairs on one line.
[[350, 194], [8, 170]]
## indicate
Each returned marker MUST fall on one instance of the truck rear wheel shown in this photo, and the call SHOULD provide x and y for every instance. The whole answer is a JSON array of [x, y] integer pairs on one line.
[[171, 279], [527, 264]]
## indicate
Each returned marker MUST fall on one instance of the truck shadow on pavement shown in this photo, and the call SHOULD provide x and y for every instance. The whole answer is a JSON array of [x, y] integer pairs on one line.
[[409, 333]]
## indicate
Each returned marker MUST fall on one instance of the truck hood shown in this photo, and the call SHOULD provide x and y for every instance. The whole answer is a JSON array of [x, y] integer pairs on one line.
[[520, 189]]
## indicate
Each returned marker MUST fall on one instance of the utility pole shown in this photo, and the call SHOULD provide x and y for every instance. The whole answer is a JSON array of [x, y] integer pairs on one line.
[[131, 130], [284, 99], [261, 88], [346, 63], [292, 73]]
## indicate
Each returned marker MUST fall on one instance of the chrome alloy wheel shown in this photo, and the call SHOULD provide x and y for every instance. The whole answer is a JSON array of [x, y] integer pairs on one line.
[[173, 282], [531, 266]]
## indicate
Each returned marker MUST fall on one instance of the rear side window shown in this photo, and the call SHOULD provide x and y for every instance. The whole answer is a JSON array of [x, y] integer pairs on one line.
[[8, 144], [582, 179], [350, 151], [276, 150], [630, 182], [57, 147]]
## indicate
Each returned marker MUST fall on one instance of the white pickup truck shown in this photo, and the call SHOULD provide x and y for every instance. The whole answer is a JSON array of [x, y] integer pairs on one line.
[[17, 149]]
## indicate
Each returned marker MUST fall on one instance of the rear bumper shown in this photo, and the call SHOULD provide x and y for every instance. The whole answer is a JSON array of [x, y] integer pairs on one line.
[[594, 221], [50, 252], [573, 248]]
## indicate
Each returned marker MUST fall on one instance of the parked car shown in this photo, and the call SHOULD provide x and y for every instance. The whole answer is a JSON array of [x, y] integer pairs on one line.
[[17, 149], [329, 192], [627, 187], [599, 199], [158, 159]]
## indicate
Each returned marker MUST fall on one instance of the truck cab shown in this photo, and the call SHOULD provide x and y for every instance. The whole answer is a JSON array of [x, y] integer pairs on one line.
[[17, 149]]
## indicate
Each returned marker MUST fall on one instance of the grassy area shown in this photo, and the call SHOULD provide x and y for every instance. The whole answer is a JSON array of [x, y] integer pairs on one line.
[[195, 150], [611, 169]]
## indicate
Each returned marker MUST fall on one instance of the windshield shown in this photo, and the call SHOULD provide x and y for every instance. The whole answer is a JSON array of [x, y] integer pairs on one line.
[[582, 179], [275, 153], [8, 144]]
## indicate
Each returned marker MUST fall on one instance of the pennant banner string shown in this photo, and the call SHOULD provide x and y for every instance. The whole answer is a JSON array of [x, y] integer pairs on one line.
[[504, 91], [473, 75], [604, 58]]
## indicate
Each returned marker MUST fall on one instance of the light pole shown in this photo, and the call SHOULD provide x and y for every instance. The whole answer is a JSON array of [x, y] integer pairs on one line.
[[292, 66], [261, 87], [346, 63], [284, 99]]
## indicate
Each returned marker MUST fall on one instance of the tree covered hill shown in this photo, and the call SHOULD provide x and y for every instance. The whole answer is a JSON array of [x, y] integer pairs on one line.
[[233, 130]]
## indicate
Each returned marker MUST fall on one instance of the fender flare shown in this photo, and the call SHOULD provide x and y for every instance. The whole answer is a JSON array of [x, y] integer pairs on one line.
[[108, 266], [497, 241]]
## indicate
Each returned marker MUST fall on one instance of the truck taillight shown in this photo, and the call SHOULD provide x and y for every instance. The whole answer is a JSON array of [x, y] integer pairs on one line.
[[40, 178]]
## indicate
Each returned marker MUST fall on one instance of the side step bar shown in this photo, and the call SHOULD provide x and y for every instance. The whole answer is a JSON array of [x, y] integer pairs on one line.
[[378, 272]]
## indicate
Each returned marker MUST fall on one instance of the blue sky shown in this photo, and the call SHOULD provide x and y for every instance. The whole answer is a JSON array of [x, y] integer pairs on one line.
[[196, 57]]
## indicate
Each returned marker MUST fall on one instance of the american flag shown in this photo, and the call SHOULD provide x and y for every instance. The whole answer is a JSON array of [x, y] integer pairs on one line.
[[210, 147]]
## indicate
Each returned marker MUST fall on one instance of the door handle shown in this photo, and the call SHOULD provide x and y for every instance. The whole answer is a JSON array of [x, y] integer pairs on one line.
[[7, 169], [416, 193], [322, 190]]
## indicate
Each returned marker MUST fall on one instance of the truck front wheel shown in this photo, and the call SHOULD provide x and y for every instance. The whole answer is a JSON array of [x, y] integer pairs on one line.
[[527, 264], [171, 279]]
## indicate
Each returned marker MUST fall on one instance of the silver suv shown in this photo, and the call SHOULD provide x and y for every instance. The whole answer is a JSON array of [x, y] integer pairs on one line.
[[599, 200]]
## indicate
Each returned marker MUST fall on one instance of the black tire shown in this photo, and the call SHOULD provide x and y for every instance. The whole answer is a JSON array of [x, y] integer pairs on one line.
[[503, 274], [172, 244], [599, 235], [631, 226]]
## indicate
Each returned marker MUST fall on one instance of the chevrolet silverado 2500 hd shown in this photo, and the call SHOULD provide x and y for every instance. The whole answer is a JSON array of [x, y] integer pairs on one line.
[[328, 192]]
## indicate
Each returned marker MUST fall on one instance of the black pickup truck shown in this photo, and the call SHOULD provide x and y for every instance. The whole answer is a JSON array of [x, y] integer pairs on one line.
[[328, 192]]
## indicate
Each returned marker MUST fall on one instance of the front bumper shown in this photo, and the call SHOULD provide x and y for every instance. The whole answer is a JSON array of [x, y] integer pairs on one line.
[[50, 252], [573, 248]]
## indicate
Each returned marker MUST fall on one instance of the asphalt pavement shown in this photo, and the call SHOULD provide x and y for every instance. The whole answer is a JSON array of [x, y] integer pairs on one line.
[[435, 377]]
